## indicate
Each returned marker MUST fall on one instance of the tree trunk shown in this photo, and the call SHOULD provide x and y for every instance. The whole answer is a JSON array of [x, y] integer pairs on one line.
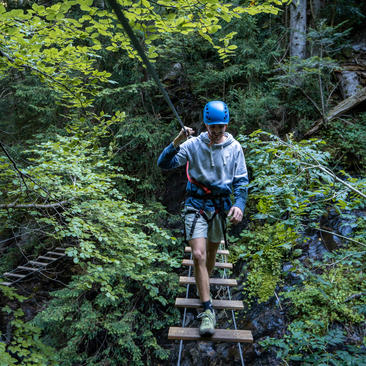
[[100, 4], [298, 28], [316, 5], [341, 108], [350, 83]]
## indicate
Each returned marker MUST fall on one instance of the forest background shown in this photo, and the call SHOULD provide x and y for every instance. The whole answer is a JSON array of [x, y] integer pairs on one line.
[[82, 124]]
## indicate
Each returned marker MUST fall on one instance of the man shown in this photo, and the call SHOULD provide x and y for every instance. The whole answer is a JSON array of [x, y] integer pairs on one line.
[[215, 163]]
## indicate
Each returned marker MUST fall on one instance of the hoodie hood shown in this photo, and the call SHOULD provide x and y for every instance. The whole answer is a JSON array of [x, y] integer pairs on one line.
[[205, 138]]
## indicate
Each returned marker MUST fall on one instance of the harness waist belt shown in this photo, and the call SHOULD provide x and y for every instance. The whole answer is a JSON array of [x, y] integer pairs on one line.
[[207, 196]]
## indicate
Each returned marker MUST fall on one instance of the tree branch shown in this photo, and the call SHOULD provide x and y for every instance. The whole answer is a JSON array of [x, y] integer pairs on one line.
[[47, 76], [22, 175], [33, 205], [355, 296], [341, 236]]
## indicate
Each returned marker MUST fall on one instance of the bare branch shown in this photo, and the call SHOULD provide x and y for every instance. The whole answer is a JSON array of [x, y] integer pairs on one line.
[[355, 296], [22, 175], [341, 236], [32, 205]]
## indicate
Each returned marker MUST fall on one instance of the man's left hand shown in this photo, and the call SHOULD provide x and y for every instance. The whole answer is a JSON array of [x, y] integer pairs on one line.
[[235, 215]]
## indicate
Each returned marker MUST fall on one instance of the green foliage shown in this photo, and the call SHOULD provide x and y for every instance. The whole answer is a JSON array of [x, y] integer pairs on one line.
[[95, 168], [27, 106], [345, 138], [307, 85], [298, 345], [291, 188], [292, 182], [62, 49], [351, 11], [21, 344], [264, 249], [327, 297], [121, 296]]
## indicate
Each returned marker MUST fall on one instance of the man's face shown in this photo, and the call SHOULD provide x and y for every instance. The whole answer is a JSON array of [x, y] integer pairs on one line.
[[216, 132]]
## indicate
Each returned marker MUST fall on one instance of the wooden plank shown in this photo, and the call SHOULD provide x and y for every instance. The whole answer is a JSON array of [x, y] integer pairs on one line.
[[189, 262], [220, 251], [213, 281], [55, 253], [28, 268], [38, 263], [221, 335], [59, 248], [5, 283], [8, 274], [48, 258], [217, 304]]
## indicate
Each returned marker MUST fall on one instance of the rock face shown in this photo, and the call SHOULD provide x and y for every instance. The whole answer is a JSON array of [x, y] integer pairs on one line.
[[352, 77], [350, 83]]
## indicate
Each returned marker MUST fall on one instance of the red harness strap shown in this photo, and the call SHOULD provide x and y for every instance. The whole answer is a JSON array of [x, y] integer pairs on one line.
[[192, 180]]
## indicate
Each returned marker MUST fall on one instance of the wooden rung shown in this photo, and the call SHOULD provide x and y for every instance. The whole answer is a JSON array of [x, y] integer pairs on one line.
[[189, 262], [8, 274], [55, 253], [217, 304], [213, 281], [28, 268], [221, 335], [5, 283], [220, 251], [38, 263], [49, 258], [59, 248]]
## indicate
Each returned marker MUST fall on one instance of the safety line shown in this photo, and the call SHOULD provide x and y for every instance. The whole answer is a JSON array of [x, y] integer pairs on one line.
[[150, 68], [184, 316], [232, 314]]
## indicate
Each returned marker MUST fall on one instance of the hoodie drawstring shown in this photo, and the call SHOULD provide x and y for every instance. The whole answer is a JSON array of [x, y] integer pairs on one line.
[[223, 154], [212, 161]]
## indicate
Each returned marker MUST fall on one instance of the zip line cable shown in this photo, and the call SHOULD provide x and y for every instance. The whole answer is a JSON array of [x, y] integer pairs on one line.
[[140, 51]]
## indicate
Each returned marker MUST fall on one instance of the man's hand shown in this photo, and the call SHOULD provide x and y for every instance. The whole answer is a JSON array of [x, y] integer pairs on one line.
[[235, 214], [183, 135]]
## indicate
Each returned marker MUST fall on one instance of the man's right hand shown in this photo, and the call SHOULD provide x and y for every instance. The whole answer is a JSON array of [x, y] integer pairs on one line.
[[183, 135]]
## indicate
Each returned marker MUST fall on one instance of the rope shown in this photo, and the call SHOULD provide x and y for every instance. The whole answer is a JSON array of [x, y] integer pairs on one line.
[[140, 51], [184, 317], [232, 311]]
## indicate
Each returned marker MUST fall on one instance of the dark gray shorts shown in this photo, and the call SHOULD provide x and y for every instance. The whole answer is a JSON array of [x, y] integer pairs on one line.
[[211, 230]]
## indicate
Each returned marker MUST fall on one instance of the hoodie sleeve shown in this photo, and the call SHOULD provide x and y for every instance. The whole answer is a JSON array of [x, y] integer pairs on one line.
[[172, 157], [240, 181]]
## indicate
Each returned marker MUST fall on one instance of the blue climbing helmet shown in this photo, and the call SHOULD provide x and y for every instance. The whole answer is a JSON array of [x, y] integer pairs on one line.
[[216, 113]]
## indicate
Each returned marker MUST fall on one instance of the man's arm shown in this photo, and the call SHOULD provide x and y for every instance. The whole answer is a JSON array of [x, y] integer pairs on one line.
[[240, 187], [168, 158]]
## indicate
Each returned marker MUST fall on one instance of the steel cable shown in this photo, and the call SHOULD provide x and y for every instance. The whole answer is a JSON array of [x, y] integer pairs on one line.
[[126, 26]]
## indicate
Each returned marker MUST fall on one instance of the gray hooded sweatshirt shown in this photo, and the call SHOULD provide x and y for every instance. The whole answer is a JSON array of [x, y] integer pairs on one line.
[[218, 167]]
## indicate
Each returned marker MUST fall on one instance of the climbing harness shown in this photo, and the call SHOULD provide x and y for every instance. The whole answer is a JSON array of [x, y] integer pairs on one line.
[[219, 209]]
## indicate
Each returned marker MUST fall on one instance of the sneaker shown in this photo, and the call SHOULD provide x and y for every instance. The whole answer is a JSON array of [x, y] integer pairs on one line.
[[208, 323]]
